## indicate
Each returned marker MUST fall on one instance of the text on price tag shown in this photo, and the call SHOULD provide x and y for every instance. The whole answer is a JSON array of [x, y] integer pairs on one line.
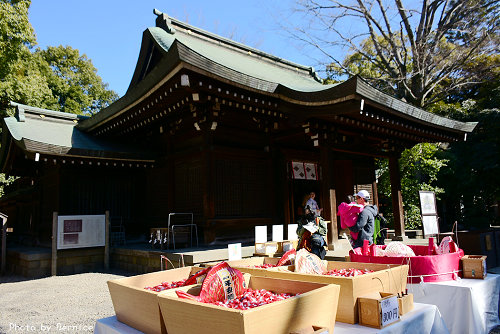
[[389, 310]]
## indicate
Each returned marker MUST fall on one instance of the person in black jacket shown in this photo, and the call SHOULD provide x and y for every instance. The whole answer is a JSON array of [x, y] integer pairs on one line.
[[366, 219]]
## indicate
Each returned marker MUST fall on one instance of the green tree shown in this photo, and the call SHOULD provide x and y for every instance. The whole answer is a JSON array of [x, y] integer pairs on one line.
[[418, 49], [20, 76], [57, 78], [419, 170], [73, 80]]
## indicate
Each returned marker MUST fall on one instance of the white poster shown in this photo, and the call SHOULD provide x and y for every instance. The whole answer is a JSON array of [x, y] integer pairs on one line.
[[277, 232], [427, 202], [430, 225], [261, 233], [234, 252], [81, 231]]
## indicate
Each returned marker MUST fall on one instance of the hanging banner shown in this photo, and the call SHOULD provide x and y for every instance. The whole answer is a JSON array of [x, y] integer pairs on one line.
[[298, 170], [304, 170], [311, 171]]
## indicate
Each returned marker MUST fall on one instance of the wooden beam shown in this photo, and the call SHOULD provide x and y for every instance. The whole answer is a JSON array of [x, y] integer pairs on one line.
[[54, 244], [397, 200]]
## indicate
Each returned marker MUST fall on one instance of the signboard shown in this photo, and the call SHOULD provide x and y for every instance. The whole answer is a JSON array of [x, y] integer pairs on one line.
[[81, 231], [389, 310], [427, 203], [430, 225], [428, 208]]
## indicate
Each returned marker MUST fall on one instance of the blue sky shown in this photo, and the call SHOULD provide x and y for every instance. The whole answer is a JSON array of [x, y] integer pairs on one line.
[[109, 32]]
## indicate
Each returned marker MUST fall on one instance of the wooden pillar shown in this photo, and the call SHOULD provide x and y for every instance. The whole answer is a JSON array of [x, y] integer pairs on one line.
[[106, 242], [208, 181], [54, 244], [329, 199], [4, 242], [333, 233], [397, 200]]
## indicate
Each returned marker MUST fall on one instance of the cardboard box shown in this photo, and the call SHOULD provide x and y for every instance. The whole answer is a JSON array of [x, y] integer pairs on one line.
[[138, 307], [474, 266], [385, 278], [266, 248], [378, 309], [405, 303], [316, 304]]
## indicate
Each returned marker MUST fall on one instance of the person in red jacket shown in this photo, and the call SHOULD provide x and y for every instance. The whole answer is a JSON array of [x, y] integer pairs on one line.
[[366, 219]]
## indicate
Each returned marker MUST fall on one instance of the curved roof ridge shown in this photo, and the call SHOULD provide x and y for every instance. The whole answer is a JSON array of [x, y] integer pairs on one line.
[[170, 24]]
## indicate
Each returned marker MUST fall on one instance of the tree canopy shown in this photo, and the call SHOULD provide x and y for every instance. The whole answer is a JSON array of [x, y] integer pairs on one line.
[[57, 78], [421, 53]]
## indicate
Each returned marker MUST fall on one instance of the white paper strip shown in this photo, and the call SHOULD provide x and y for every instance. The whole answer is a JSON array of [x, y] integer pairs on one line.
[[292, 232], [277, 232], [261, 233]]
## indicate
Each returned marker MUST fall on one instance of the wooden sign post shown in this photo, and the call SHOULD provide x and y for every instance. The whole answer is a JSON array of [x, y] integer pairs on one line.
[[4, 242], [54, 245]]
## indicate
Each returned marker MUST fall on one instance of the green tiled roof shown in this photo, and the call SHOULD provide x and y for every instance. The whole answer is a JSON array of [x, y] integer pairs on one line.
[[55, 133], [179, 42]]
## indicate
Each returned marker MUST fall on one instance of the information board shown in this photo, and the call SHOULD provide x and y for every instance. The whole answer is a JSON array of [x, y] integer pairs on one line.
[[81, 231]]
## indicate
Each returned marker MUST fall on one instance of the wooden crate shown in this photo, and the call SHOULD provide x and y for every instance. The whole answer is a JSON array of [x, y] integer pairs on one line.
[[248, 264], [372, 312], [474, 266], [266, 248], [138, 307], [286, 245], [316, 305], [385, 278], [405, 303]]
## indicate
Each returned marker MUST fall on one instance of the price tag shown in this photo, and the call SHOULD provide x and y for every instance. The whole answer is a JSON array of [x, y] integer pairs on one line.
[[390, 310]]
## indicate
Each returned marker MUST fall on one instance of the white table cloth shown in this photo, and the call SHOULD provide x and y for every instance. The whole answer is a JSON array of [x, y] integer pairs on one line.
[[422, 319], [466, 305], [111, 325]]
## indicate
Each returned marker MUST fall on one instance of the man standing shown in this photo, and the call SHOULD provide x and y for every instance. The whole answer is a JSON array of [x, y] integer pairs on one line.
[[313, 205], [366, 219]]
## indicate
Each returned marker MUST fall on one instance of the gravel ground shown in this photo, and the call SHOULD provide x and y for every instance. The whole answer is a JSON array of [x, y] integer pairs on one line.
[[59, 304]]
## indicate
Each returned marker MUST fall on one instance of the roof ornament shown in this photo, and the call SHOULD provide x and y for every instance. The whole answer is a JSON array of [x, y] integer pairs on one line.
[[19, 111], [313, 72], [163, 21]]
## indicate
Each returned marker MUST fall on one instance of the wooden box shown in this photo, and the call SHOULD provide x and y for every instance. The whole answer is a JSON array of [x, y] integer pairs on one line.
[[474, 266], [138, 307], [249, 264], [378, 309], [312, 330], [405, 303], [286, 245], [266, 248], [316, 305], [386, 278]]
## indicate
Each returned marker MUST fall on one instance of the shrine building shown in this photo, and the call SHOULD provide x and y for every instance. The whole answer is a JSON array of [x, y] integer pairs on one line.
[[212, 127]]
